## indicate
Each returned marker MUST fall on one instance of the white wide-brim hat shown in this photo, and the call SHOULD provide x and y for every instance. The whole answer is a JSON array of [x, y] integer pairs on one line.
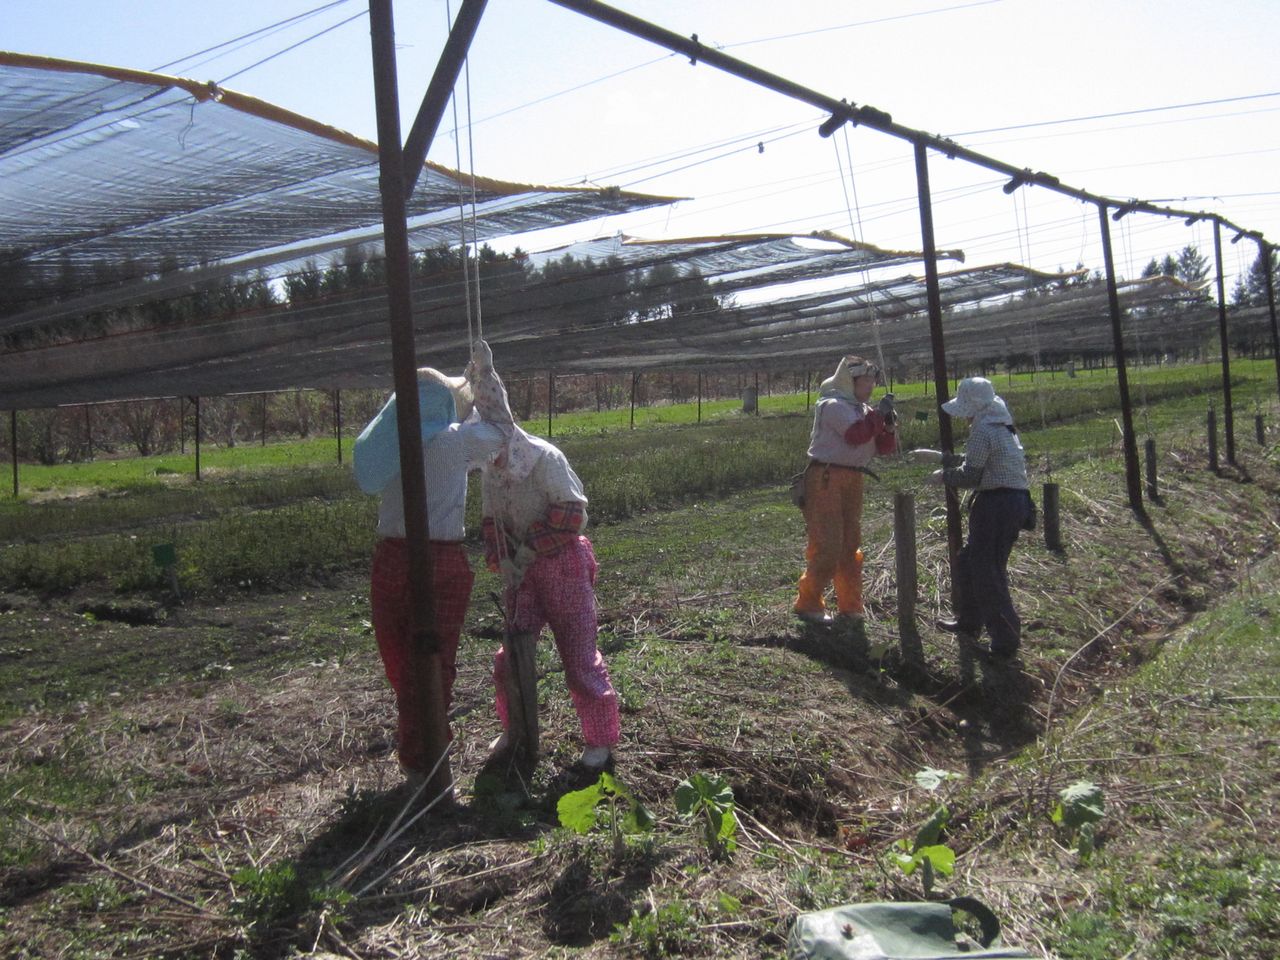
[[972, 396]]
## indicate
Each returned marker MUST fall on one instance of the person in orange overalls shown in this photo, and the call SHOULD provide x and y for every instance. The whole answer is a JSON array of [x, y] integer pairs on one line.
[[847, 434]]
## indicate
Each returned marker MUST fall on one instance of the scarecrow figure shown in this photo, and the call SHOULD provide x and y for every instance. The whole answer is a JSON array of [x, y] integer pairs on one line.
[[450, 449], [534, 514]]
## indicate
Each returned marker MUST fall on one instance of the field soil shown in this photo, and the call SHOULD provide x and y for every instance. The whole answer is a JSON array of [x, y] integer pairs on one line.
[[217, 778]]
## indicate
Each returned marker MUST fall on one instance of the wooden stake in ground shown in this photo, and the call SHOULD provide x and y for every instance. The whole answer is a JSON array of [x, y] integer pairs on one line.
[[521, 682]]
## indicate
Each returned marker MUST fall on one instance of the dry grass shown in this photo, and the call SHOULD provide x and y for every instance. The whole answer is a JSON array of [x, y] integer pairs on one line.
[[135, 819]]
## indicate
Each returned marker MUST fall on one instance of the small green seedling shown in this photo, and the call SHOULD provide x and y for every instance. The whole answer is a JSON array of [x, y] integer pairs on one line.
[[925, 853], [627, 815], [1078, 810], [709, 800]]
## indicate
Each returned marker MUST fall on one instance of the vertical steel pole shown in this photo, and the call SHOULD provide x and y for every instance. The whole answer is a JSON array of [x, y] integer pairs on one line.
[[1133, 478], [940, 385], [1265, 250], [1228, 420], [699, 396], [634, 376], [423, 697], [263, 433], [88, 429], [551, 399]]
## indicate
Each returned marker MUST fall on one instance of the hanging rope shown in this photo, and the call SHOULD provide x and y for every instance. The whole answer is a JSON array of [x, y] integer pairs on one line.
[[464, 246], [854, 212], [1022, 226]]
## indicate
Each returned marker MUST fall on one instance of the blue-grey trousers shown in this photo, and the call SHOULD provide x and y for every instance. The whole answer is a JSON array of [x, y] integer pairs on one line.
[[982, 576]]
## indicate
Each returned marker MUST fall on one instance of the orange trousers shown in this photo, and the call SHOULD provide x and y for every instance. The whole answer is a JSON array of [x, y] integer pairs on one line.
[[833, 520]]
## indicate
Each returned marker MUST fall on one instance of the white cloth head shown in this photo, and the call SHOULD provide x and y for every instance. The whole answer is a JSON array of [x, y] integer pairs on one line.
[[522, 454]]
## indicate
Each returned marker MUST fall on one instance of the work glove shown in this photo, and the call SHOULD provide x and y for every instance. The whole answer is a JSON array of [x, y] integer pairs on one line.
[[952, 459], [887, 410], [482, 357]]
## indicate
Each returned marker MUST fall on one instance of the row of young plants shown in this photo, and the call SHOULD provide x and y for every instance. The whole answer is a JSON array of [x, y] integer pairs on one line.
[[229, 531]]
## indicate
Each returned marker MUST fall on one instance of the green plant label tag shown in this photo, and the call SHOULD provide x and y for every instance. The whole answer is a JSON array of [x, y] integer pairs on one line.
[[922, 415], [164, 555]]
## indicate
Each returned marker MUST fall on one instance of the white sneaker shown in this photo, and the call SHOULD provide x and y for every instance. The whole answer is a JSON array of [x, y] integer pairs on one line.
[[596, 758]]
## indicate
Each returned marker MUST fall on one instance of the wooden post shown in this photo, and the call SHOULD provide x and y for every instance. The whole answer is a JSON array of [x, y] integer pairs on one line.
[[757, 389], [263, 432], [904, 545], [1258, 430], [634, 376], [182, 425], [551, 399], [337, 422], [1052, 522], [88, 431], [196, 401], [1212, 426], [808, 385], [1153, 489], [521, 683], [13, 447], [699, 396]]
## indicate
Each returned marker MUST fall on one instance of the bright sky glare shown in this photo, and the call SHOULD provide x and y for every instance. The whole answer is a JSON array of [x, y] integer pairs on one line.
[[556, 98]]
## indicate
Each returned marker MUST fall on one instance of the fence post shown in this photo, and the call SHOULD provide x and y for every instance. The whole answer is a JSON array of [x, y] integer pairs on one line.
[[1258, 430], [1153, 490], [337, 422], [1212, 424], [197, 406], [13, 448], [904, 545], [1052, 524]]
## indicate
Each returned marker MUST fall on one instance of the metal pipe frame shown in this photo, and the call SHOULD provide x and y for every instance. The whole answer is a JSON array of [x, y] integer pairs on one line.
[[1228, 420], [1131, 471], [425, 698]]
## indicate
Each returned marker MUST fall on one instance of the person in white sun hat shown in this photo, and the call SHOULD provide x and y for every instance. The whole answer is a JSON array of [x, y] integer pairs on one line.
[[995, 466], [847, 434]]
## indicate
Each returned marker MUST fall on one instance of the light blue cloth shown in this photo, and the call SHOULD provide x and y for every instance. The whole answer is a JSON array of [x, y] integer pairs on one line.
[[376, 458]]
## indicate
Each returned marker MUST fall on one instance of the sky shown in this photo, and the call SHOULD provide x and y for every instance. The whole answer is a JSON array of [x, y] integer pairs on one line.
[[1176, 102]]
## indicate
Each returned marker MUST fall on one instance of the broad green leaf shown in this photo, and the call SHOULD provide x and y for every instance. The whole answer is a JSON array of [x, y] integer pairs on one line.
[[728, 831], [686, 797], [637, 819], [932, 829], [941, 857], [1081, 803], [906, 862], [577, 810]]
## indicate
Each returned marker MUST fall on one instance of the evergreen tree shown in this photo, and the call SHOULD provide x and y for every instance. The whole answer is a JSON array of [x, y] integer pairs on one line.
[[1191, 266]]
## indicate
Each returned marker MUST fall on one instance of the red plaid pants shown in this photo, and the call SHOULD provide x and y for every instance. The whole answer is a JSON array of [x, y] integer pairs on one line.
[[451, 580]]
